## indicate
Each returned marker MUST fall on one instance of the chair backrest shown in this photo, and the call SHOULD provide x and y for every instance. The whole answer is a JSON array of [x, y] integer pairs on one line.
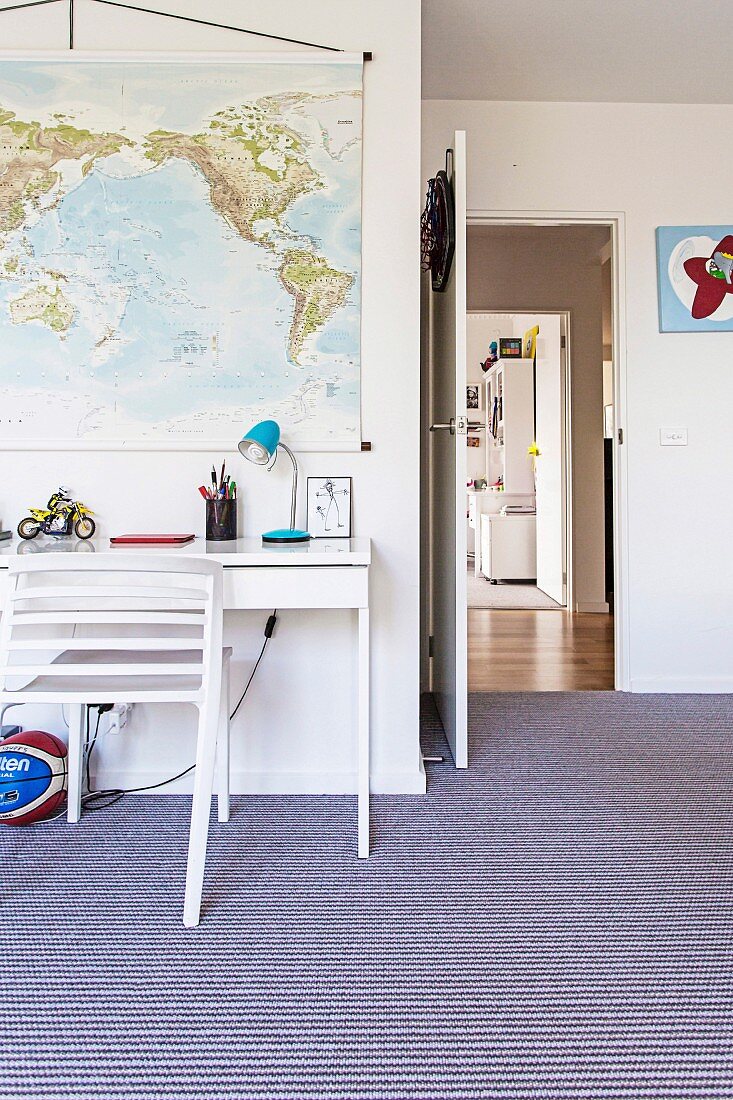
[[129, 606]]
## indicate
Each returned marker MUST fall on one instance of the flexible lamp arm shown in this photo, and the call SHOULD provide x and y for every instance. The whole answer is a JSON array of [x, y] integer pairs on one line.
[[295, 483]]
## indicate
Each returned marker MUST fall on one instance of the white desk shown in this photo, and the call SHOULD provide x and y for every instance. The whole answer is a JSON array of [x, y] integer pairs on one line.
[[323, 573]]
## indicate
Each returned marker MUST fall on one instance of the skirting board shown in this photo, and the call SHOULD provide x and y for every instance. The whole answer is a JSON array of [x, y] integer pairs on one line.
[[670, 685], [243, 782], [600, 607]]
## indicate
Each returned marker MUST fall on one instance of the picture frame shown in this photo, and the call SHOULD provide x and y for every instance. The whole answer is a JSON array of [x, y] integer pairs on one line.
[[329, 507], [510, 347], [473, 397]]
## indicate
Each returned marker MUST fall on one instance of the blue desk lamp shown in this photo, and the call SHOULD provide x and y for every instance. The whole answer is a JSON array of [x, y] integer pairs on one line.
[[260, 446]]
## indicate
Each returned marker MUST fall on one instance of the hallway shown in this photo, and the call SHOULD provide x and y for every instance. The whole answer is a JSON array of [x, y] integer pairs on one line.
[[539, 651]]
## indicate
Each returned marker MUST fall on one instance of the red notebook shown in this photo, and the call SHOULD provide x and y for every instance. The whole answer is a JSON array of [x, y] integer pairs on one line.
[[150, 540]]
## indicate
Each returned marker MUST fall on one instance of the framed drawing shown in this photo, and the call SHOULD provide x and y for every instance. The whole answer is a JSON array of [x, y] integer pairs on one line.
[[695, 278], [329, 507], [172, 273], [473, 398]]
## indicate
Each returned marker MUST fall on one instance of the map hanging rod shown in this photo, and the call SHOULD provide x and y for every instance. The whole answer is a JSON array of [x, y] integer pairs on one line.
[[367, 55]]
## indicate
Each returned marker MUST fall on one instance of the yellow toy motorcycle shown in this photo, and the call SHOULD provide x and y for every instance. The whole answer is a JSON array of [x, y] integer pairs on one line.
[[58, 517]]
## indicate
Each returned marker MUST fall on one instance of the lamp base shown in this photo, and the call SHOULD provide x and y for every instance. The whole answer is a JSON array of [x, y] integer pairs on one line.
[[285, 536]]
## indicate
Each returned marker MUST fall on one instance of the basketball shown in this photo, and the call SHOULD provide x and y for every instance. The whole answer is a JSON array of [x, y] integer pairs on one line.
[[32, 776]]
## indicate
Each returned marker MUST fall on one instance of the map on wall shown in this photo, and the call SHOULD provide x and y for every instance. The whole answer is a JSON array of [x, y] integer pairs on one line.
[[180, 250]]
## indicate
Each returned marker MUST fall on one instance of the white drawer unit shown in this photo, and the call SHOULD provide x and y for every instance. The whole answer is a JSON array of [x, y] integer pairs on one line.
[[509, 547]]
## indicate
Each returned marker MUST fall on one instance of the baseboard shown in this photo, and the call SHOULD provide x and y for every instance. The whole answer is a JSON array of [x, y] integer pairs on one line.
[[680, 685], [243, 782], [598, 607]]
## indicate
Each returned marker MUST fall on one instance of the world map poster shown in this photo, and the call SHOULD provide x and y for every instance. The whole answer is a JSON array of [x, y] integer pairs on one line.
[[180, 250]]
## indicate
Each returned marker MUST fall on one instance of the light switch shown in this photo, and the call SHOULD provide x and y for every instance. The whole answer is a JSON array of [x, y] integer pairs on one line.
[[673, 437]]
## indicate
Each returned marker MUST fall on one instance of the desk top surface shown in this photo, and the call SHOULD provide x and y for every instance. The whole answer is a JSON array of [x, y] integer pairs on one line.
[[238, 553]]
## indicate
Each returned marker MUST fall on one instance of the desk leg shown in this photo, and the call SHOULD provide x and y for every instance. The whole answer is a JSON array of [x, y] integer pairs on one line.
[[363, 773]]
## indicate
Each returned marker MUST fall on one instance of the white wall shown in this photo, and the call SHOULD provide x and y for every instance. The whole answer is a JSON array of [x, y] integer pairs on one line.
[[646, 161], [297, 729]]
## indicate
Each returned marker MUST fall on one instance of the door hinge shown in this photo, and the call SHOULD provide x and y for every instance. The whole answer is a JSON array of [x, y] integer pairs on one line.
[[620, 435], [563, 341], [431, 646], [564, 578]]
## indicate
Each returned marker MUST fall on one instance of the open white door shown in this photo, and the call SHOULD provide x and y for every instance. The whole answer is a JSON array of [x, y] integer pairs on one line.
[[550, 465], [448, 483]]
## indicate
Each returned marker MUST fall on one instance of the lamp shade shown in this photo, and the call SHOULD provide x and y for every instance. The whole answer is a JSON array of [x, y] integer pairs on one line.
[[260, 442]]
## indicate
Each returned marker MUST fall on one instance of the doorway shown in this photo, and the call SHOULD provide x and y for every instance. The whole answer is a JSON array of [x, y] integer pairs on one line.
[[519, 533], [446, 424], [541, 578]]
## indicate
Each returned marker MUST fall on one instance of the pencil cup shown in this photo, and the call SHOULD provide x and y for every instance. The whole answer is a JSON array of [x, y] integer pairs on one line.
[[221, 520]]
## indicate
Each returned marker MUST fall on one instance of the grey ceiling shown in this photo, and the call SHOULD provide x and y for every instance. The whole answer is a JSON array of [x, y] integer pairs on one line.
[[656, 51]]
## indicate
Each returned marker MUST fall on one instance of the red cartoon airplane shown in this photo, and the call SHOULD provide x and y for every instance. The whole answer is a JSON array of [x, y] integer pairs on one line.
[[714, 278]]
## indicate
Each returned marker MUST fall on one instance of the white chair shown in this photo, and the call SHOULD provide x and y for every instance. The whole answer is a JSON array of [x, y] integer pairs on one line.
[[147, 628]]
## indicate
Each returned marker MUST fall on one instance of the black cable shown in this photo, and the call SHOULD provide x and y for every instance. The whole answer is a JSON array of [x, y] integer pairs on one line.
[[88, 748], [114, 794], [28, 4], [367, 55], [219, 26], [269, 627]]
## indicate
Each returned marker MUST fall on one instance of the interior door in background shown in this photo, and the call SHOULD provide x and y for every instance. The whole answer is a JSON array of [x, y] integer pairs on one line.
[[550, 464], [447, 365]]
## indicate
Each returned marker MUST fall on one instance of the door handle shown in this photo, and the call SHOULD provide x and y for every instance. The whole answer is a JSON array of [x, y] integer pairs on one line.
[[451, 427]]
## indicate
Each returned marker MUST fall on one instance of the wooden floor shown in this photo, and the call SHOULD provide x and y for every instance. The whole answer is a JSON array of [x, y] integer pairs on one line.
[[539, 651]]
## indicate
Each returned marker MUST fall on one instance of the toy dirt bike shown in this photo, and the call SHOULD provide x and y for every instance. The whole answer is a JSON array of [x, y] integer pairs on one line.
[[58, 517]]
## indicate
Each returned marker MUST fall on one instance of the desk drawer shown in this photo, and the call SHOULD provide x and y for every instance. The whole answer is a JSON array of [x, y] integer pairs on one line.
[[289, 586]]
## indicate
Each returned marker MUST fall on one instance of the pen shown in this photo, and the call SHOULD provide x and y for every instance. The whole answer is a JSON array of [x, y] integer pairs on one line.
[[213, 478], [221, 479], [204, 492]]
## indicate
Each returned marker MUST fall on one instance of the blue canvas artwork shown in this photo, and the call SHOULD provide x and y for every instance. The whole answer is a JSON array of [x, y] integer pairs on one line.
[[695, 278]]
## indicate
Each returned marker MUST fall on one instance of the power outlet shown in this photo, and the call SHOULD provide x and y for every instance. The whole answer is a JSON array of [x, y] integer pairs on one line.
[[119, 716], [673, 437]]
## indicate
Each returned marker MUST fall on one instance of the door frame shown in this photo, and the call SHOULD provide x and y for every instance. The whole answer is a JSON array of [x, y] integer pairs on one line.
[[566, 414], [616, 223]]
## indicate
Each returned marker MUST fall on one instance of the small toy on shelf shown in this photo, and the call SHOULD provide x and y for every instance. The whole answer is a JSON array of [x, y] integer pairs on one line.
[[492, 357], [58, 517]]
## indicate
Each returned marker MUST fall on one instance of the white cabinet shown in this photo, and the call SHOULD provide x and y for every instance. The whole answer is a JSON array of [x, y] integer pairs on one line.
[[510, 425], [508, 547]]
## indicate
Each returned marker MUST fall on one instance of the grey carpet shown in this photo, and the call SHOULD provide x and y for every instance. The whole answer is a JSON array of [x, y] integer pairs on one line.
[[507, 595], [554, 923]]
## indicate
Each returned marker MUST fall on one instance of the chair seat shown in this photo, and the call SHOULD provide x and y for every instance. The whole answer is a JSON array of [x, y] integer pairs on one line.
[[116, 688]]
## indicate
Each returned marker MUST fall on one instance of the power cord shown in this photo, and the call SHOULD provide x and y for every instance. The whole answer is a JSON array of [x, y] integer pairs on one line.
[[93, 799], [269, 627]]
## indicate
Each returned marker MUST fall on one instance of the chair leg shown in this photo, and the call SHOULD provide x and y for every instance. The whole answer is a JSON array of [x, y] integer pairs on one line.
[[222, 746], [200, 811], [75, 761]]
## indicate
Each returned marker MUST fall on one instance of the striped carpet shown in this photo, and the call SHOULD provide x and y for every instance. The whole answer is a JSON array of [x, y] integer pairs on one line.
[[554, 923]]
